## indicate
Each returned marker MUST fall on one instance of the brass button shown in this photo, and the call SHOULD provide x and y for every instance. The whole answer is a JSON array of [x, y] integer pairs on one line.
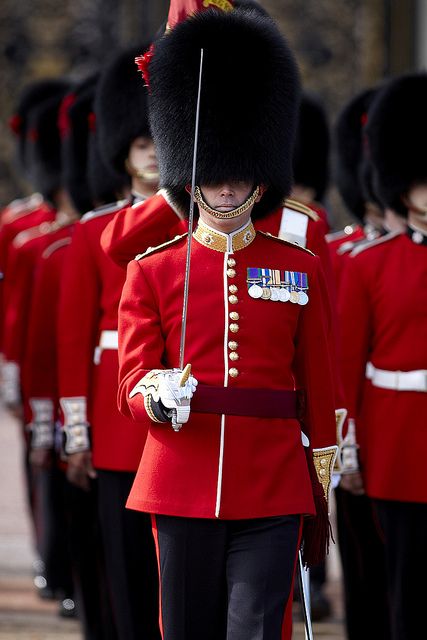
[[231, 262], [233, 345], [234, 356], [234, 327], [233, 372], [232, 288], [323, 462], [231, 273], [322, 473], [233, 299], [234, 315]]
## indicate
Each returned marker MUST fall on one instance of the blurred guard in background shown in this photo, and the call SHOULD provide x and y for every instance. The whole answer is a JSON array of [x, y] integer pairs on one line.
[[384, 348], [101, 443]]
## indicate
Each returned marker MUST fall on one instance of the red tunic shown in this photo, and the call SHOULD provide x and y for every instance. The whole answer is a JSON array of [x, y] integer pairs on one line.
[[39, 373], [144, 224], [91, 287], [226, 466], [383, 313], [14, 220]]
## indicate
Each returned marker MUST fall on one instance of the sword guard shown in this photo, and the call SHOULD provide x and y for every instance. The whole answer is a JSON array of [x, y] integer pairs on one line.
[[185, 375]]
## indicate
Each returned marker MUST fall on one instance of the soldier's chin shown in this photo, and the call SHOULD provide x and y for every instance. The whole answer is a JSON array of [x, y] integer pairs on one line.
[[148, 176]]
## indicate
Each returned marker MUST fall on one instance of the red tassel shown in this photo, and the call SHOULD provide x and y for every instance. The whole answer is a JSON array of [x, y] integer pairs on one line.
[[317, 530]]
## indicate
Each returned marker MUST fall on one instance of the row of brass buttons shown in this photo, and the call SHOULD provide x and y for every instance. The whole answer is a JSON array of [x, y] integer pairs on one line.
[[234, 316]]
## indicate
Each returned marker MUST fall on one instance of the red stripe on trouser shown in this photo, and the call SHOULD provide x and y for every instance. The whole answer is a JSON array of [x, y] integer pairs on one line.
[[287, 618], [156, 543]]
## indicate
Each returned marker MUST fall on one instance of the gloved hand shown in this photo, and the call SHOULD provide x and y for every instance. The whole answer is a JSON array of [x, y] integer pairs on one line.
[[167, 394]]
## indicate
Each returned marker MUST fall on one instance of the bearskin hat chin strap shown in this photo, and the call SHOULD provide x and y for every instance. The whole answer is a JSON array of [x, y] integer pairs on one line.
[[234, 213]]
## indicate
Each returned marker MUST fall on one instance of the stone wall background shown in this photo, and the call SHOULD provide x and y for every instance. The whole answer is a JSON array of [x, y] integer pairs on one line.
[[341, 47]]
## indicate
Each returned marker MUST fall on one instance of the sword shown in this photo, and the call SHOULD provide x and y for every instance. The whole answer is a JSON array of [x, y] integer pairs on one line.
[[304, 581], [190, 224], [186, 372]]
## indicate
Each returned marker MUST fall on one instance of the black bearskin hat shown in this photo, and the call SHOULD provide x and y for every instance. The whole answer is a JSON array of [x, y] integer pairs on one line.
[[351, 161], [31, 96], [75, 142], [251, 5], [311, 154], [45, 146], [105, 185], [397, 138], [249, 104], [121, 109]]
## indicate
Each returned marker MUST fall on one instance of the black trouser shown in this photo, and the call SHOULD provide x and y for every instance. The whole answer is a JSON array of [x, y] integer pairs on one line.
[[362, 555], [225, 579], [130, 559], [55, 550], [88, 564], [405, 533]]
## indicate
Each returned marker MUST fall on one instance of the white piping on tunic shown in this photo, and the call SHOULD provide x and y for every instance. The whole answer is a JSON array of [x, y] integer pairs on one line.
[[221, 445]]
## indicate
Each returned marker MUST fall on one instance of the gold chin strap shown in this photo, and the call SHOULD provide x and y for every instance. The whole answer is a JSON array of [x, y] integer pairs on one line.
[[234, 213], [146, 176]]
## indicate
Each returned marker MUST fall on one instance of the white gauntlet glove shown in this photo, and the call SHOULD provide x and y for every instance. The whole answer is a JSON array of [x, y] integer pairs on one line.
[[167, 394], [348, 461]]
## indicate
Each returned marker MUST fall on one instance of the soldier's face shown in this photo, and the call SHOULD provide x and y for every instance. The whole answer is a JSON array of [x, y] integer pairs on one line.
[[142, 160], [228, 196], [417, 204]]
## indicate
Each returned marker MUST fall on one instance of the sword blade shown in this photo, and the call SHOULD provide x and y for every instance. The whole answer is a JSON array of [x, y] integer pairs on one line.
[[305, 597], [190, 222]]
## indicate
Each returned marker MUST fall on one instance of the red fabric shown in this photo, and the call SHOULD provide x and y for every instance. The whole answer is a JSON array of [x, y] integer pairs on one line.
[[383, 313], [145, 224], [13, 221], [93, 283], [339, 260], [179, 10], [18, 290], [156, 544], [280, 346], [39, 374]]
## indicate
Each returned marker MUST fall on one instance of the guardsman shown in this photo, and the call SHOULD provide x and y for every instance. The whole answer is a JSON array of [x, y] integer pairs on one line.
[[228, 491], [99, 440], [385, 348], [23, 213], [360, 544], [71, 515]]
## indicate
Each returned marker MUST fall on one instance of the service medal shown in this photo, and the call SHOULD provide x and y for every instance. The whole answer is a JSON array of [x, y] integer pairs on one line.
[[255, 291], [266, 293], [284, 295], [294, 297], [302, 298], [274, 294]]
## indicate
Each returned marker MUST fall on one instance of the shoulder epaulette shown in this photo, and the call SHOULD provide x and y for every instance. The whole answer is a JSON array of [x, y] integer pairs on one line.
[[58, 244], [301, 208], [104, 209], [341, 233], [26, 235], [21, 208], [283, 241], [159, 247], [375, 243]]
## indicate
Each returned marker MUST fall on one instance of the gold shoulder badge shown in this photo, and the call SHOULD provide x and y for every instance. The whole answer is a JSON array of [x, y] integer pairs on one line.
[[301, 208], [159, 247], [324, 461], [286, 242]]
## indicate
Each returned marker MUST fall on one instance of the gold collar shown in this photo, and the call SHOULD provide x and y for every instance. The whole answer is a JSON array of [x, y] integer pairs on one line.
[[225, 242]]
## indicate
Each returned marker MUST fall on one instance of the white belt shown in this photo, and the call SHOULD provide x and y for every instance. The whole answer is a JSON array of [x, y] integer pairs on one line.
[[397, 380], [107, 340]]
